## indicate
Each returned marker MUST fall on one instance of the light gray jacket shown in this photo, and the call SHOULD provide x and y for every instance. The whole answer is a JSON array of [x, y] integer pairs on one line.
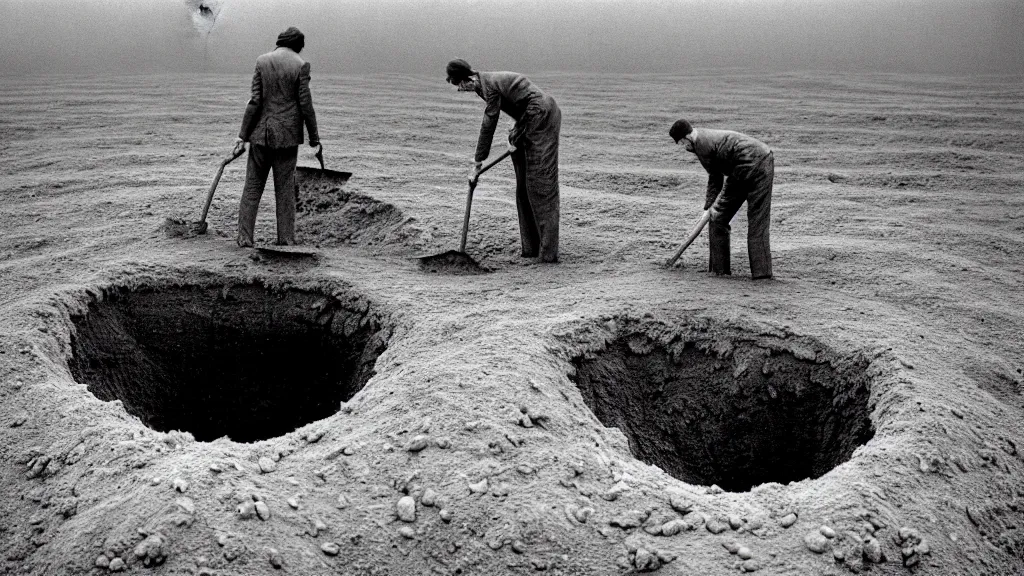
[[280, 103]]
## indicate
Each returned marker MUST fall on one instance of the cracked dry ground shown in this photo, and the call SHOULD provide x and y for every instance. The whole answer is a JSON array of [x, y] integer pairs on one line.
[[352, 414]]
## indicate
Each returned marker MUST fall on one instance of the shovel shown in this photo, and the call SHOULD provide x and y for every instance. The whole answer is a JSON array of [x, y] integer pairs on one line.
[[689, 239], [318, 181], [179, 227], [457, 260]]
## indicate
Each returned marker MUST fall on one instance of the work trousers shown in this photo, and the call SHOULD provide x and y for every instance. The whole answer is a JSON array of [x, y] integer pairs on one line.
[[536, 165], [261, 160], [756, 190]]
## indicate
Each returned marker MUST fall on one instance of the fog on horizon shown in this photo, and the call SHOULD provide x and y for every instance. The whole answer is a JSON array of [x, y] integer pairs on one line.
[[614, 36]]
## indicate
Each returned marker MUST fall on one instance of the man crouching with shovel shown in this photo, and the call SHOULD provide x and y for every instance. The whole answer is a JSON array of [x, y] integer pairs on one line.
[[279, 106], [741, 169]]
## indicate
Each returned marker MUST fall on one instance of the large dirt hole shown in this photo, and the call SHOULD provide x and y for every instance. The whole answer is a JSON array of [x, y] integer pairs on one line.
[[729, 412], [245, 361]]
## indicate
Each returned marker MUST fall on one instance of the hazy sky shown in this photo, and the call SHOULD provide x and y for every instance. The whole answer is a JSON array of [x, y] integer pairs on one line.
[[618, 36]]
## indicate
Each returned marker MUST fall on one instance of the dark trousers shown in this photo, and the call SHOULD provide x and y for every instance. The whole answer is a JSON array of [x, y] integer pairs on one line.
[[536, 165], [261, 160], [756, 191]]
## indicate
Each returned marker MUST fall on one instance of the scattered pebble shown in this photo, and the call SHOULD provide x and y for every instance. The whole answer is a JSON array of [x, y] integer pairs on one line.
[[445, 514], [751, 565], [180, 485], [788, 520], [744, 553], [479, 488], [583, 514], [873, 550], [267, 465], [293, 502], [275, 558], [673, 527], [262, 510], [735, 522], [117, 565], [406, 509], [429, 497], [407, 532], [418, 443], [518, 546], [827, 532], [680, 504], [102, 561], [216, 467], [246, 510], [815, 542], [342, 502], [330, 548], [732, 546], [186, 505], [645, 561], [442, 443], [525, 469], [715, 526]]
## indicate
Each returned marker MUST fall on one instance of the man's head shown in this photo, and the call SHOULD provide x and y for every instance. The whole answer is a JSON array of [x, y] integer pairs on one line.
[[680, 132], [292, 38], [461, 74]]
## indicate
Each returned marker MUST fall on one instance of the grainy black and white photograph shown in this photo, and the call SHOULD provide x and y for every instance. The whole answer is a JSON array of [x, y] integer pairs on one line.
[[511, 287]]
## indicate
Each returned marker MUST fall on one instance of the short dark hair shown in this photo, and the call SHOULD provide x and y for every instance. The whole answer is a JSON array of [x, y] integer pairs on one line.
[[679, 130], [292, 38]]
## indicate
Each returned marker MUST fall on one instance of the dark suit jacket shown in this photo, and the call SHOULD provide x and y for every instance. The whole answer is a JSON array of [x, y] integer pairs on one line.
[[726, 153], [506, 92], [280, 102]]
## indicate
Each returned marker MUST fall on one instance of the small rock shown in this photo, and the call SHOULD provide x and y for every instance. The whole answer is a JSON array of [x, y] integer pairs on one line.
[[744, 553], [816, 543], [715, 526], [151, 550], [673, 527], [751, 565], [645, 561], [429, 497], [186, 505], [274, 557], [348, 450], [267, 465], [418, 443], [246, 510], [293, 502], [827, 532], [680, 504], [342, 502], [180, 485], [262, 510], [732, 546], [117, 565], [872, 550], [787, 520], [406, 509], [583, 514], [735, 522], [479, 488], [102, 561], [330, 548], [445, 514], [317, 527], [442, 443], [407, 532], [518, 546]]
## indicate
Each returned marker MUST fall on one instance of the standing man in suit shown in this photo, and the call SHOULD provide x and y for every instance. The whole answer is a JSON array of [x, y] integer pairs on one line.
[[279, 106], [740, 169], [535, 139]]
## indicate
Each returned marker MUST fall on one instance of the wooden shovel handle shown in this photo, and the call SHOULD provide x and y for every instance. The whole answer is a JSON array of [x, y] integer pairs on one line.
[[469, 197], [689, 239], [216, 179]]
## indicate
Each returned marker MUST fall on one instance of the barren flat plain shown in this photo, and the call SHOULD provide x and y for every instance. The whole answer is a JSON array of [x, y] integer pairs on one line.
[[176, 405]]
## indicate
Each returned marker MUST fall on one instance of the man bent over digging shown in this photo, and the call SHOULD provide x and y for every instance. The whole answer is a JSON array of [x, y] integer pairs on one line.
[[740, 169]]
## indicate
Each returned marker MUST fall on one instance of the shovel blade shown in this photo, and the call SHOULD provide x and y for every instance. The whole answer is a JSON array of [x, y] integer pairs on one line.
[[179, 228], [450, 262]]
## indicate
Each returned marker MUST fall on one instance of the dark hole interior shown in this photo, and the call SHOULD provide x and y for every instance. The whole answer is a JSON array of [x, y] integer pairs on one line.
[[737, 419], [243, 361]]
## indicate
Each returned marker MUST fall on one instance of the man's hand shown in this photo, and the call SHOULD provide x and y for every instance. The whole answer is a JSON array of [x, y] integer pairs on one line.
[[314, 143], [474, 173], [512, 148], [239, 147]]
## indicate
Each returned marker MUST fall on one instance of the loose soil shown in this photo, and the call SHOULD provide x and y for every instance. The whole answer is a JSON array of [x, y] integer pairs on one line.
[[185, 406]]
